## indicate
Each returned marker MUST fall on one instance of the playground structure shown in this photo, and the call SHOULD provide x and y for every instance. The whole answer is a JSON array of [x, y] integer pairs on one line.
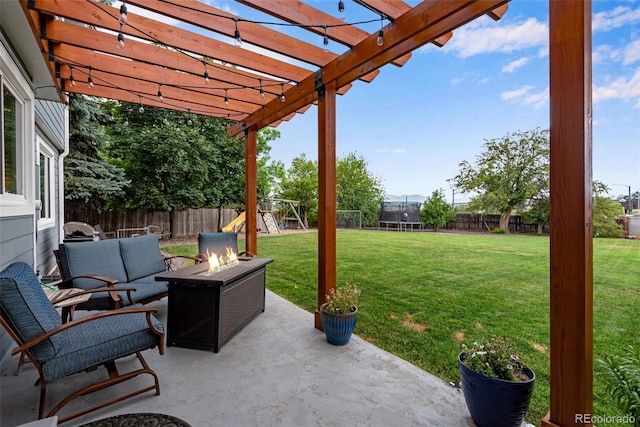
[[401, 216], [273, 215]]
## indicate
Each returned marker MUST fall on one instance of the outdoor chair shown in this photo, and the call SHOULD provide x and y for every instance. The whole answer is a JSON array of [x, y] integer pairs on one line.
[[58, 350], [218, 243]]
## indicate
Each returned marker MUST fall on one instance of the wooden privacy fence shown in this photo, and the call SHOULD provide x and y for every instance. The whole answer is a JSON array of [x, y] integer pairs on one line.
[[185, 223], [487, 222]]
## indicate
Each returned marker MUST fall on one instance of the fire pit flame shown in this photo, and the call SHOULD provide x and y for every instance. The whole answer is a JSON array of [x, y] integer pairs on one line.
[[221, 262]]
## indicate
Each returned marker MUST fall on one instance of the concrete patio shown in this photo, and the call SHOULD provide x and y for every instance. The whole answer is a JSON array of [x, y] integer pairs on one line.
[[278, 371]]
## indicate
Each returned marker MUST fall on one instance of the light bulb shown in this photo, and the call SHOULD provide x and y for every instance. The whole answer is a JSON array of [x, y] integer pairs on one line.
[[160, 95], [206, 77], [120, 41], [90, 80], [189, 122], [141, 109], [340, 6], [72, 81], [325, 42], [123, 14], [238, 41], [380, 39], [261, 93], [283, 98]]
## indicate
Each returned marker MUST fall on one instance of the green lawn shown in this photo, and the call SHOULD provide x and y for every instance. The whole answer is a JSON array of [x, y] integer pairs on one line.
[[425, 293]]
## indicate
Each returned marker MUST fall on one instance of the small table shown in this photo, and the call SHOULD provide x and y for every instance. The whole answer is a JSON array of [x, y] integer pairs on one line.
[[207, 310]]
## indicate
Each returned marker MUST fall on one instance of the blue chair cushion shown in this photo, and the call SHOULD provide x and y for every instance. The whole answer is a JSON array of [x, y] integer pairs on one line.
[[99, 341], [141, 256], [28, 308], [101, 258]]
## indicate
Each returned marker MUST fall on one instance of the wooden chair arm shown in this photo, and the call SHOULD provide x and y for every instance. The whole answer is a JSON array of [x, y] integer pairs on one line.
[[103, 289], [68, 284], [73, 323]]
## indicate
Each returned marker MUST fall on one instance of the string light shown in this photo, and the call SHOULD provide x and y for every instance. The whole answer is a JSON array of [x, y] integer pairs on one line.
[[160, 93], [140, 108], [206, 74], [380, 39], [236, 35], [123, 14], [72, 81], [189, 121], [120, 38], [282, 97], [325, 40], [90, 79], [341, 6], [261, 90], [226, 98]]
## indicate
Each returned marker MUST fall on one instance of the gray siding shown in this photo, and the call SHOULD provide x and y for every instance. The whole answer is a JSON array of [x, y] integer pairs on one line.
[[16, 240], [50, 119]]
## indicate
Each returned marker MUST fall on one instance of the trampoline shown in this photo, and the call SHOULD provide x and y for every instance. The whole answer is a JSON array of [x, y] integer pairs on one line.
[[402, 216]]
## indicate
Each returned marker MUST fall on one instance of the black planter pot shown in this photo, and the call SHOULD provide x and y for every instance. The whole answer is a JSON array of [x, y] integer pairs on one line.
[[493, 402]]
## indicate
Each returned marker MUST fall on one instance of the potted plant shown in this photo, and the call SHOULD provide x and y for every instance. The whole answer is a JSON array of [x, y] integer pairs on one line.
[[340, 313], [497, 386]]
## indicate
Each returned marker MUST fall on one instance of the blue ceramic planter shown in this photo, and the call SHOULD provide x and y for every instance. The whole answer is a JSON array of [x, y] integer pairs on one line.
[[338, 327], [493, 402]]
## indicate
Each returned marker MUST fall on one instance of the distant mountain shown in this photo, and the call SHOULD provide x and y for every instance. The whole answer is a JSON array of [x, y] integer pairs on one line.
[[404, 198]]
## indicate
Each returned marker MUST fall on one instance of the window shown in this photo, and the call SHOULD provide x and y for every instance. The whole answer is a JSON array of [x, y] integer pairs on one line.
[[11, 120], [46, 189]]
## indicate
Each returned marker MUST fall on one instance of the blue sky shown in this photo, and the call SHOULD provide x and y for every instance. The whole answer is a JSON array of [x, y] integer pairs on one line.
[[414, 124]]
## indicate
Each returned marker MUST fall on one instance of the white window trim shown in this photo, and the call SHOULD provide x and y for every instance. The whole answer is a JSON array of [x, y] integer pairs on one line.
[[24, 204], [50, 220]]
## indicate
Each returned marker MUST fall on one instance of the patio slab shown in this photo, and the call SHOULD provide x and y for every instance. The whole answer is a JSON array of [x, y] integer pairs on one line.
[[277, 371]]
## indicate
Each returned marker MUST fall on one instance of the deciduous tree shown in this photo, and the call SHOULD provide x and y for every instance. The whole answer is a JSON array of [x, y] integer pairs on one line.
[[510, 171], [436, 211], [358, 188], [301, 183]]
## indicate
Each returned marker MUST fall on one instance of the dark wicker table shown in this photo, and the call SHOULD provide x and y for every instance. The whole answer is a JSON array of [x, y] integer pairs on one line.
[[139, 420], [206, 311]]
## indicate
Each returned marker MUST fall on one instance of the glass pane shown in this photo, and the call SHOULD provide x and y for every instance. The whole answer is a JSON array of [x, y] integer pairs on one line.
[[10, 134], [44, 174]]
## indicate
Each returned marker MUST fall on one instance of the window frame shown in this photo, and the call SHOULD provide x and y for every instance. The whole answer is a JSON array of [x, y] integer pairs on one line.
[[48, 200], [12, 78]]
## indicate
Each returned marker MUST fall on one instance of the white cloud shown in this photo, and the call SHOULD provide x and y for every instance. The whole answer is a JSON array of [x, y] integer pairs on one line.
[[631, 53], [517, 93], [513, 65], [484, 36], [621, 88], [615, 18], [456, 81], [526, 96]]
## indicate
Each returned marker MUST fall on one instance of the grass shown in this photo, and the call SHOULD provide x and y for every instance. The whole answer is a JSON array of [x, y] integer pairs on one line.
[[423, 294]]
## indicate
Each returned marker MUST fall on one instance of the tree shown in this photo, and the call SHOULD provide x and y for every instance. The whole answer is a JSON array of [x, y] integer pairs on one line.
[[436, 211], [89, 179], [358, 188], [605, 212], [270, 175], [301, 183], [511, 170]]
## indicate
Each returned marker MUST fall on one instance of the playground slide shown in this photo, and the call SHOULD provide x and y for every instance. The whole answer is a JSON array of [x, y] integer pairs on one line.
[[236, 224]]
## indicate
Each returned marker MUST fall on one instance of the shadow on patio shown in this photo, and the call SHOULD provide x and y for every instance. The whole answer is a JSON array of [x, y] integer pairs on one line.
[[279, 371]]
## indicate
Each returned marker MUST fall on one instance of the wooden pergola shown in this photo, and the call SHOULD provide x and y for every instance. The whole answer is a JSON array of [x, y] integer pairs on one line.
[[91, 50]]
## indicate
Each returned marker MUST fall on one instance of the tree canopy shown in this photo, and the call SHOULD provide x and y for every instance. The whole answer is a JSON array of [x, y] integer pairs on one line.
[[89, 179], [301, 183], [436, 212], [358, 188], [510, 172]]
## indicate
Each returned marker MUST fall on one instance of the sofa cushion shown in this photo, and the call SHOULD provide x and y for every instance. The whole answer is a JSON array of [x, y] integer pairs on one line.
[[100, 258], [141, 256], [29, 309]]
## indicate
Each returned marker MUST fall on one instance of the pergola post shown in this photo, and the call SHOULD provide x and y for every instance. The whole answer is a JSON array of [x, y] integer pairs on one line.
[[326, 194], [571, 265], [251, 191]]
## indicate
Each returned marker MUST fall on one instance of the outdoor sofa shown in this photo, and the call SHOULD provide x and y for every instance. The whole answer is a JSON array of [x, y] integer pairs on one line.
[[116, 263]]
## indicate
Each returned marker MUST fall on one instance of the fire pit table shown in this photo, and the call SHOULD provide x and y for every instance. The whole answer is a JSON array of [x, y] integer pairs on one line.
[[206, 309]]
